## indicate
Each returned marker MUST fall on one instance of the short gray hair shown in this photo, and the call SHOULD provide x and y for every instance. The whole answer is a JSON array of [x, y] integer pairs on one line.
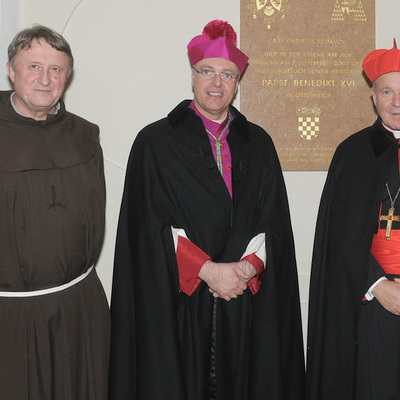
[[24, 39]]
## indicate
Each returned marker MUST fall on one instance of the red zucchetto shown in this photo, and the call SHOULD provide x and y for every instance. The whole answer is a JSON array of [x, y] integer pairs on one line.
[[382, 61], [218, 40]]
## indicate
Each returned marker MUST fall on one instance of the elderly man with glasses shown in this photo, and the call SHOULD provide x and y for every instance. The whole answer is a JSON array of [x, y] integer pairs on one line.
[[205, 301]]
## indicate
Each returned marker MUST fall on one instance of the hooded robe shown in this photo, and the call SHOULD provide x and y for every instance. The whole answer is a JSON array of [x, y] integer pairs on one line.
[[52, 346]]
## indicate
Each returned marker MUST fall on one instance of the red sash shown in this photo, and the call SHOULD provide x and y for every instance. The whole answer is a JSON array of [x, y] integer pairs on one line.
[[387, 252]]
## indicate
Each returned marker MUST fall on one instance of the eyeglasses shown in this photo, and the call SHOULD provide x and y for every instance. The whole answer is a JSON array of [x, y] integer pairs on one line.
[[208, 74]]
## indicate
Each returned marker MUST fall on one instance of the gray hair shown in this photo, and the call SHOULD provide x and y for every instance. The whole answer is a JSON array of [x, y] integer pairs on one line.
[[24, 39]]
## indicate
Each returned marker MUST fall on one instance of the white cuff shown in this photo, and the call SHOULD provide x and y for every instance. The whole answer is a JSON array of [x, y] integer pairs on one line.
[[369, 296], [257, 246], [176, 232]]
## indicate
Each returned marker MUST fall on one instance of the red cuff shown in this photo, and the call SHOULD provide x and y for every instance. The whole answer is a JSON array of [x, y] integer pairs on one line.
[[255, 282], [190, 259]]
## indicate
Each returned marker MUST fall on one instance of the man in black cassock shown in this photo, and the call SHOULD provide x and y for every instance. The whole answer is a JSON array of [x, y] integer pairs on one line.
[[354, 323], [205, 301]]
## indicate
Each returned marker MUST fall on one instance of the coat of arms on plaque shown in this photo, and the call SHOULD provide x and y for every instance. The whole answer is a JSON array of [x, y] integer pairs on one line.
[[308, 122], [270, 10], [348, 8]]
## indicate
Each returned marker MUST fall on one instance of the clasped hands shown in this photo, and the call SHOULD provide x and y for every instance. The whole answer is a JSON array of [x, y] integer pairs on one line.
[[227, 280]]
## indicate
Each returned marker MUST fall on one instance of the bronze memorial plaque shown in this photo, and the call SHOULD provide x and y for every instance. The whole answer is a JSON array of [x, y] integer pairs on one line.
[[304, 83]]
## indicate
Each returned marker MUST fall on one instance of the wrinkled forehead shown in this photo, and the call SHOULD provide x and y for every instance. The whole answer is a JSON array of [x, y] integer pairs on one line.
[[39, 49], [388, 80]]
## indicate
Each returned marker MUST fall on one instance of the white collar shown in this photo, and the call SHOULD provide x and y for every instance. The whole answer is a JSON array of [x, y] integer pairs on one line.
[[395, 133], [57, 109]]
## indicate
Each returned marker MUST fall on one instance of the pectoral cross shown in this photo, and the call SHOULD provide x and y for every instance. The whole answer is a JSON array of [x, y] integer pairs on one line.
[[389, 218]]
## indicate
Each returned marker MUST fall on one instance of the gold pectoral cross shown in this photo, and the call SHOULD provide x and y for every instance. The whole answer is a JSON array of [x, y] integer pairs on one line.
[[389, 218]]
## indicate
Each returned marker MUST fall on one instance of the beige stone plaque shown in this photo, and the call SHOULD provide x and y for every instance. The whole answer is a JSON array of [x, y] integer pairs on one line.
[[304, 83]]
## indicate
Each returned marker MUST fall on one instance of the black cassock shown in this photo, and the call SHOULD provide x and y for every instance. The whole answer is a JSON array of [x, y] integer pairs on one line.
[[347, 358], [162, 339]]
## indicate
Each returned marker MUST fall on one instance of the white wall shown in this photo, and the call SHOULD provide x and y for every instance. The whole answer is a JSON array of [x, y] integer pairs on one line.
[[9, 22], [132, 68]]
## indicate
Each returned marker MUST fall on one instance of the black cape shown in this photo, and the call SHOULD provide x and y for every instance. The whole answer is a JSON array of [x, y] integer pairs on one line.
[[343, 268], [161, 338]]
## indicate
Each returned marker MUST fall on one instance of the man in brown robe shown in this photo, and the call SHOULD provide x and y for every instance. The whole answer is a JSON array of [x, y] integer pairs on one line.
[[54, 317]]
